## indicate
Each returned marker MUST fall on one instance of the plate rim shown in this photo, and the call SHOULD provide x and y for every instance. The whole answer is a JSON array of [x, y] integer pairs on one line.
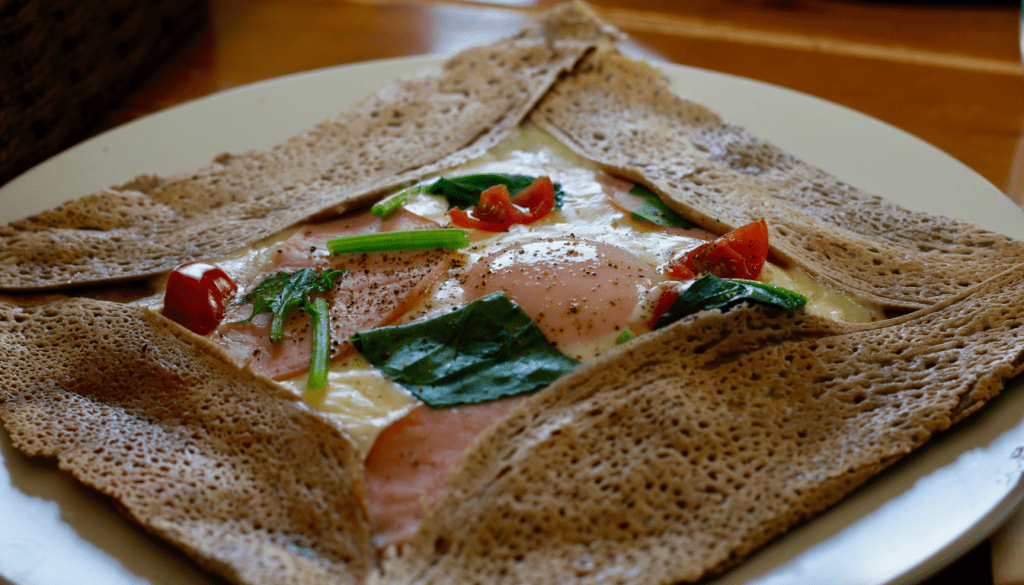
[[985, 524]]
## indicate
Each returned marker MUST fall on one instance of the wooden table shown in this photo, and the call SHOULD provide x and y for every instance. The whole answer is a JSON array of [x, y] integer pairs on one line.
[[950, 75]]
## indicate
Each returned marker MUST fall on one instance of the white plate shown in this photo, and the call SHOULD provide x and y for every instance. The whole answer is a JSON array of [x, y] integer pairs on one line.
[[903, 526]]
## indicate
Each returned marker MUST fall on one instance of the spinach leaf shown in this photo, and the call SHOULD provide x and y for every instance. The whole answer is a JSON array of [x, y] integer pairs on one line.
[[464, 192], [711, 292], [655, 211], [486, 350]]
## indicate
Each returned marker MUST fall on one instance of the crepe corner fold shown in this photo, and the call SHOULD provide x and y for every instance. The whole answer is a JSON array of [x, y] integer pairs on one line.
[[666, 460], [679, 454], [413, 128], [617, 112], [196, 450]]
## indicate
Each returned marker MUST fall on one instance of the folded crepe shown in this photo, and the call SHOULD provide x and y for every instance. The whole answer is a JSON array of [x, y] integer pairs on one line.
[[666, 460], [412, 129], [622, 114], [680, 453], [193, 448], [610, 109]]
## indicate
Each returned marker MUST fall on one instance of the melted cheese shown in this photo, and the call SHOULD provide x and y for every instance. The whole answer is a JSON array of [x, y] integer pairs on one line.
[[358, 397]]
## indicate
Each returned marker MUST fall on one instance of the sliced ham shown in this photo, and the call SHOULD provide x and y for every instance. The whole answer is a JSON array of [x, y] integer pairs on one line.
[[408, 465], [375, 289], [618, 192]]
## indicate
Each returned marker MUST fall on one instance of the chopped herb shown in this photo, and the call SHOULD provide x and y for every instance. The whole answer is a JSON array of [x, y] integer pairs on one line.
[[655, 211], [321, 356], [625, 336], [392, 203], [711, 292], [486, 350], [408, 240], [464, 192], [280, 293]]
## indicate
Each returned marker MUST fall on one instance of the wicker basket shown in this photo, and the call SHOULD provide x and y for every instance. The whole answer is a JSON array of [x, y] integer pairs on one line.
[[64, 62]]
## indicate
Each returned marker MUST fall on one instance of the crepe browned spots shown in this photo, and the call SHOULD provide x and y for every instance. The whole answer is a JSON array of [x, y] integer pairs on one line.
[[621, 114], [196, 450], [669, 459], [681, 452], [407, 131]]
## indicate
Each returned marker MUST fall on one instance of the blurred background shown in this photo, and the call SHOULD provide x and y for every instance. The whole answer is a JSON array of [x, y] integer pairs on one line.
[[947, 72]]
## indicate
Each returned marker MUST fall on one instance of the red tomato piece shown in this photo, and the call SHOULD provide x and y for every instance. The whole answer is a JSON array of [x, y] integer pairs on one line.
[[497, 211], [740, 253], [197, 296], [496, 206], [538, 198], [665, 301]]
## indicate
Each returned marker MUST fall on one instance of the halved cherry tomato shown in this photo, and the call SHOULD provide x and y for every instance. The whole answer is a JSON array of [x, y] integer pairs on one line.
[[497, 211], [197, 296], [740, 253], [665, 301], [494, 213], [538, 198]]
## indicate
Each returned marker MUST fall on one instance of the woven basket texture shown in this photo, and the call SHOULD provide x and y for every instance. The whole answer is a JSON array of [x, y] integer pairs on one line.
[[64, 62]]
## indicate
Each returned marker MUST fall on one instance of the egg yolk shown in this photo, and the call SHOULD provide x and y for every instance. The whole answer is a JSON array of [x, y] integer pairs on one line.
[[580, 293]]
